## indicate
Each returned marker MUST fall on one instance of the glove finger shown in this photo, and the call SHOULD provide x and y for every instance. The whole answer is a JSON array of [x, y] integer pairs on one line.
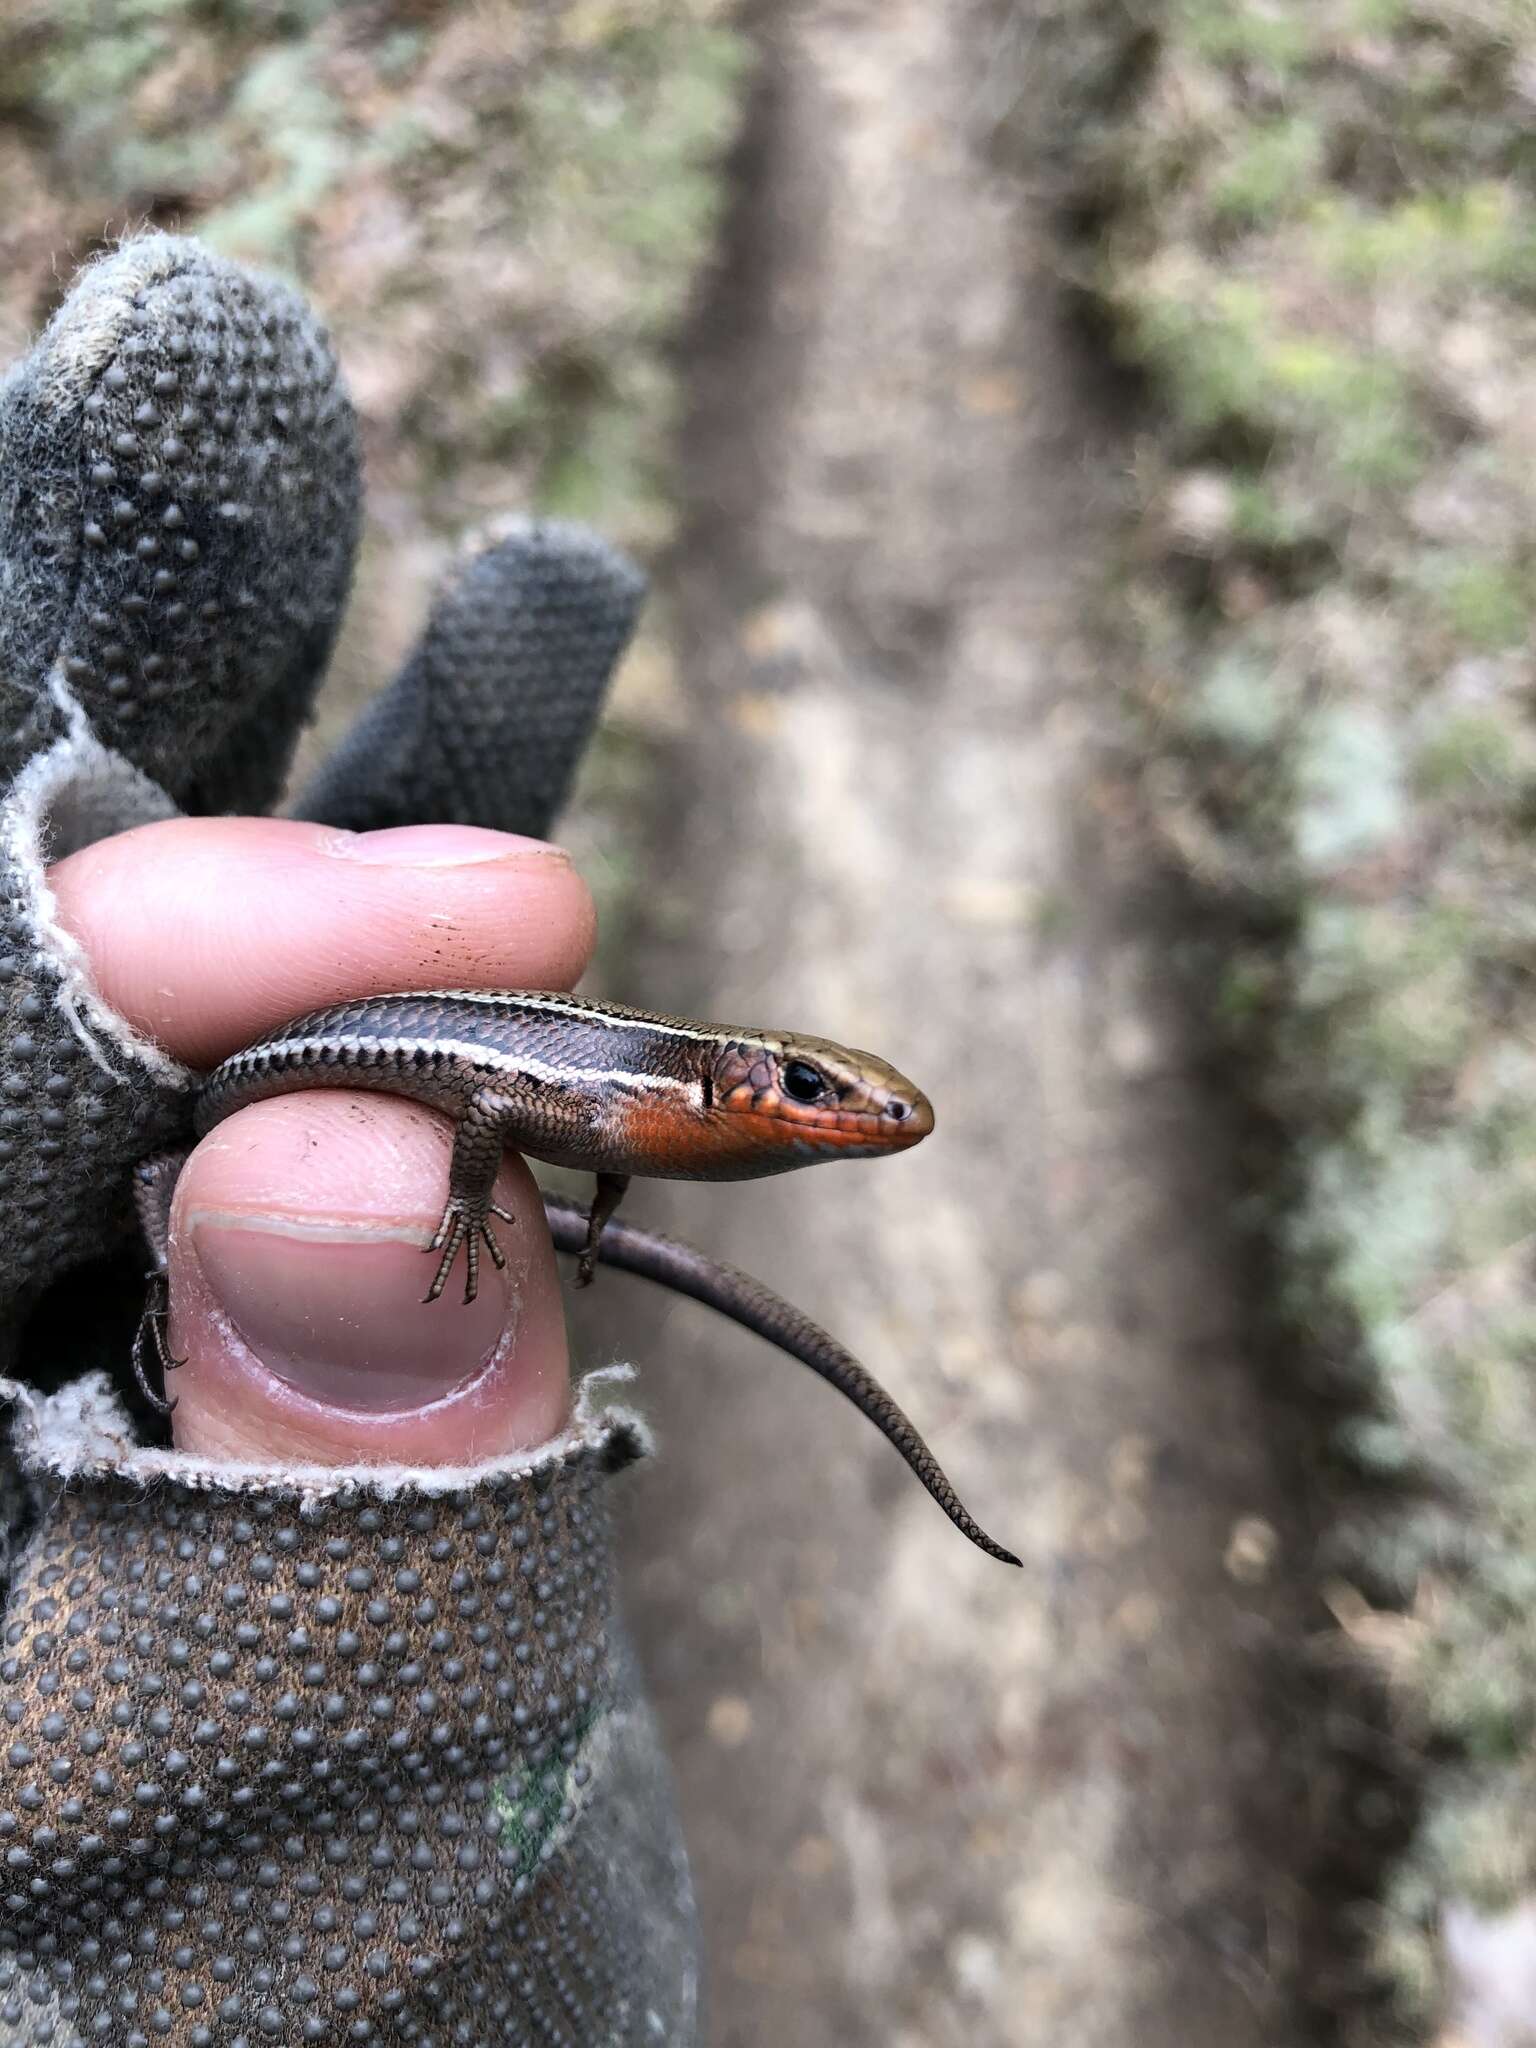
[[81, 1096], [487, 721], [178, 506], [178, 516]]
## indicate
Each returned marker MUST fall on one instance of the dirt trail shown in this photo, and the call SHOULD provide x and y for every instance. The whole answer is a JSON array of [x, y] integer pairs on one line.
[[932, 1801]]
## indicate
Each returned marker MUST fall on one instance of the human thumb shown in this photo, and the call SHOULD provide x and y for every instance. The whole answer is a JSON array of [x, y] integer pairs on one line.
[[297, 1275]]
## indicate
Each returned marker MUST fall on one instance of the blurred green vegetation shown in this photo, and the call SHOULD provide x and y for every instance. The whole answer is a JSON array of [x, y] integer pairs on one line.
[[1314, 235], [501, 210]]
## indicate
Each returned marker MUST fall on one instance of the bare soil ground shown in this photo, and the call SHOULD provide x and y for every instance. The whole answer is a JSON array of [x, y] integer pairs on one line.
[[932, 1801]]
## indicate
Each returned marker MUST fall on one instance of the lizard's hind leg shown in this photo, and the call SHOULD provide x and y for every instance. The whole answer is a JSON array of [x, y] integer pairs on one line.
[[154, 1188]]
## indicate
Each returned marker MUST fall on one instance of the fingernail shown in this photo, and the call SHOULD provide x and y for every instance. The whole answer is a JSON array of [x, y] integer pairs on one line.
[[438, 846], [336, 1311]]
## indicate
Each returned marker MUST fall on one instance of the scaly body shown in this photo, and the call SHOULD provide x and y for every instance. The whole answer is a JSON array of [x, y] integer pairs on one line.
[[615, 1092]]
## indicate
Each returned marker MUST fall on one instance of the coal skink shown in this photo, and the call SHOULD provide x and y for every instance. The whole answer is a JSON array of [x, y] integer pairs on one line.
[[611, 1091]]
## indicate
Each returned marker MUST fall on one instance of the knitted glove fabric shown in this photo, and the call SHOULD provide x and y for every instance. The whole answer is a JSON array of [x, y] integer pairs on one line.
[[178, 514], [178, 517], [488, 719], [291, 1755]]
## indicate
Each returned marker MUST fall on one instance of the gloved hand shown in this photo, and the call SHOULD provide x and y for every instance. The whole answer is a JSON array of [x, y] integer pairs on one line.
[[342, 1743]]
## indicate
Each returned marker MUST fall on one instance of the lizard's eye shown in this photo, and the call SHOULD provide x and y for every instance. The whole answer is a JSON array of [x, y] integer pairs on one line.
[[802, 1082]]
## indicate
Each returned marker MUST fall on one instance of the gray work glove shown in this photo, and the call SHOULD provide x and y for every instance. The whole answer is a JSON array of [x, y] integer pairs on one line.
[[288, 1756]]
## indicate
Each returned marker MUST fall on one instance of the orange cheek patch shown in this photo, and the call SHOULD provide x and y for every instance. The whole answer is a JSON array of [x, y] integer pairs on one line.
[[767, 1128], [744, 1135], [836, 1136]]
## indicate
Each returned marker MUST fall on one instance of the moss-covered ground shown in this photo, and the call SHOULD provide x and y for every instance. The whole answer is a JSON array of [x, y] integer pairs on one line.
[[1313, 233]]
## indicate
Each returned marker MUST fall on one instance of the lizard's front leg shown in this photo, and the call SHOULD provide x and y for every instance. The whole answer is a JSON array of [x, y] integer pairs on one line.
[[478, 1139]]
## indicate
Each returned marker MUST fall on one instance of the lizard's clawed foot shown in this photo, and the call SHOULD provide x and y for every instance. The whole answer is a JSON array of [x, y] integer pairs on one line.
[[610, 1192], [152, 1326], [467, 1224]]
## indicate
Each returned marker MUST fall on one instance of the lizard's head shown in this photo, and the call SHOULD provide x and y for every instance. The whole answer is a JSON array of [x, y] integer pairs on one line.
[[809, 1099]]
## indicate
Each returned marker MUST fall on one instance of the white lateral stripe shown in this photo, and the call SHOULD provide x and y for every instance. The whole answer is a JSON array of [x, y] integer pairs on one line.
[[483, 1058], [612, 1019]]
